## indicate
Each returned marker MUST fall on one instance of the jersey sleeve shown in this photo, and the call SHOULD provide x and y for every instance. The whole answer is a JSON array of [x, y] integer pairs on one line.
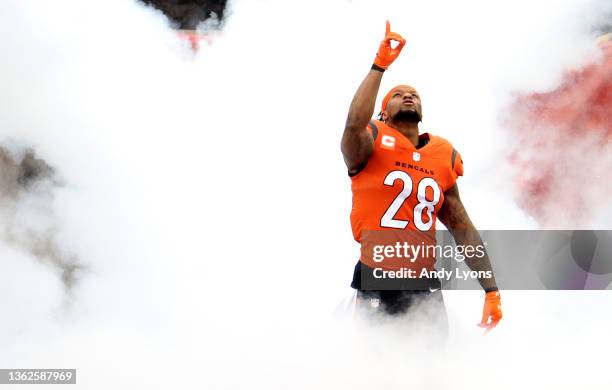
[[373, 129], [456, 164]]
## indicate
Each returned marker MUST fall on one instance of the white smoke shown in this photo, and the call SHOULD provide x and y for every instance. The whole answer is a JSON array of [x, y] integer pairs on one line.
[[205, 199]]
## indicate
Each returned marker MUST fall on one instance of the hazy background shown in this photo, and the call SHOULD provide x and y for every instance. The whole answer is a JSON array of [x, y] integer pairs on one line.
[[194, 229]]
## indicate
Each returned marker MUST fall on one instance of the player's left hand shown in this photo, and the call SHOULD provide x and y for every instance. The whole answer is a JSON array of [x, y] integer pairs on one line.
[[491, 311]]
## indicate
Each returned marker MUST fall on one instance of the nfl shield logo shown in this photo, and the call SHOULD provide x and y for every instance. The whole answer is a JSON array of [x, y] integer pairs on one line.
[[416, 156]]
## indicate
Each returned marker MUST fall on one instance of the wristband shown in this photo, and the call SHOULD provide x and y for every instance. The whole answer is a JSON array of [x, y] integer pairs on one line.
[[377, 68]]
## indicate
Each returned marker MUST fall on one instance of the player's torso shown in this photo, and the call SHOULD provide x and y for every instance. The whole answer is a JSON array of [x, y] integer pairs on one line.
[[401, 187]]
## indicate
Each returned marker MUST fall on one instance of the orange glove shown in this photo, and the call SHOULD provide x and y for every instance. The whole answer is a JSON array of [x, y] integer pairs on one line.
[[386, 54], [492, 309]]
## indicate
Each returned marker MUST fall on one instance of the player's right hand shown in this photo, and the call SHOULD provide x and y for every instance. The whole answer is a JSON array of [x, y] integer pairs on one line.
[[386, 54]]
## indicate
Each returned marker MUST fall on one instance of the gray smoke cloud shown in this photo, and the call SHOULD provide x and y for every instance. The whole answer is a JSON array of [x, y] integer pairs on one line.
[[27, 184], [188, 14]]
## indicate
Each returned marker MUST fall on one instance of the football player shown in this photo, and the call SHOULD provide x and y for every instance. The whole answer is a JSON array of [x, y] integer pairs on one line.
[[403, 180]]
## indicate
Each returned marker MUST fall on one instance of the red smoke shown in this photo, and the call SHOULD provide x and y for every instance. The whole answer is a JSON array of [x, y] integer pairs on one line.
[[194, 38], [562, 155]]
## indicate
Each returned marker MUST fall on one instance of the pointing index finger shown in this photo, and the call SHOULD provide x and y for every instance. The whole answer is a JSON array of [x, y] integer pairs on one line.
[[388, 28]]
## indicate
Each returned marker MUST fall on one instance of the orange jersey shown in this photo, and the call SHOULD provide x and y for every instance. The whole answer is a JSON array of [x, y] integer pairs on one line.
[[402, 187]]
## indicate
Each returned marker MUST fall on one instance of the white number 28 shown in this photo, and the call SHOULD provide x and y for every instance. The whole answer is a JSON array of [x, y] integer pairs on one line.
[[388, 220]]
